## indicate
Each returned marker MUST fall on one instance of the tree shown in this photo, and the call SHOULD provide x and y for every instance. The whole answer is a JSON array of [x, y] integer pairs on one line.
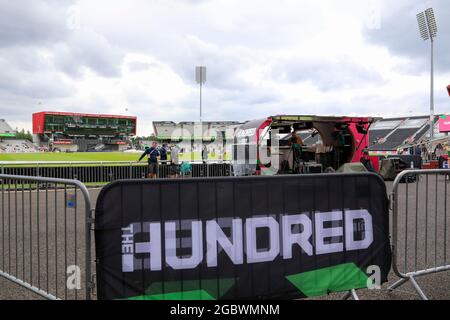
[[21, 135], [29, 136]]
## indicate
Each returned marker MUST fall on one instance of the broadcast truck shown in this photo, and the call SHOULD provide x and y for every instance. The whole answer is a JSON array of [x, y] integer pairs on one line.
[[299, 144]]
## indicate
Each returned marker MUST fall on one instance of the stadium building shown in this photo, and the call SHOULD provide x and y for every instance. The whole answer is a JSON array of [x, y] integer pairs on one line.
[[83, 132], [191, 136]]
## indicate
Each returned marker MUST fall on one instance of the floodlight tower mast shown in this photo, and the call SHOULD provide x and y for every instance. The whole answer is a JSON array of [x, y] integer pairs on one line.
[[428, 31], [200, 78]]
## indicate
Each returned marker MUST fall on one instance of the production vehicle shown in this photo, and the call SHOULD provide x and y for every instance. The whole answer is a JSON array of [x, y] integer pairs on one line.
[[299, 144]]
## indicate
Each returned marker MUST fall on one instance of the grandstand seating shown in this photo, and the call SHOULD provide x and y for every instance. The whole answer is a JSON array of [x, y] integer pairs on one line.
[[397, 138], [421, 134], [376, 135], [167, 130], [17, 146], [10, 145], [390, 134], [210, 132]]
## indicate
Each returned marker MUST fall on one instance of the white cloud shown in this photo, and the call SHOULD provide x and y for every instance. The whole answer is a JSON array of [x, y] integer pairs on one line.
[[263, 57]]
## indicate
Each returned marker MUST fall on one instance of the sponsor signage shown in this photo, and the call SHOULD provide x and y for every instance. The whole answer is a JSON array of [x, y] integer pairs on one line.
[[63, 142], [444, 124], [241, 238]]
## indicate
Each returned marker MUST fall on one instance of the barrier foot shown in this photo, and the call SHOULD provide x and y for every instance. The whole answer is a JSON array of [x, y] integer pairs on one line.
[[414, 283], [349, 294], [397, 284], [418, 289], [354, 295]]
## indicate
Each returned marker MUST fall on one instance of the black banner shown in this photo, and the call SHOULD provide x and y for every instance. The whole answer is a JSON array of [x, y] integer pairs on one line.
[[277, 237]]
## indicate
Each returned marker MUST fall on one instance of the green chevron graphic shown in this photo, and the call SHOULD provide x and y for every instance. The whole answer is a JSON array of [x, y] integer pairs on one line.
[[184, 295], [320, 282], [188, 290]]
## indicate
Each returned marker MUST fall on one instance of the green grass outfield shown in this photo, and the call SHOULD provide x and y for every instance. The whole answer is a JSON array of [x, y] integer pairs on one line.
[[87, 156], [62, 156]]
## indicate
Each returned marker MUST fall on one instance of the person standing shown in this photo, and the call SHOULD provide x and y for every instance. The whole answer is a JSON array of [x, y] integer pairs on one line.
[[204, 154], [174, 155], [163, 153], [163, 164], [175, 161], [296, 143], [152, 155], [439, 151], [424, 152], [417, 150], [366, 161]]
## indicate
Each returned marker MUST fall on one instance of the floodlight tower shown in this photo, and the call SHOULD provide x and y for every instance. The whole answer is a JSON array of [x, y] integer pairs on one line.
[[428, 31], [200, 78]]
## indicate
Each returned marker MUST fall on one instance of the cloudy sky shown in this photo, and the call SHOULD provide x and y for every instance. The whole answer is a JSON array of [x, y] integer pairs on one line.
[[137, 57]]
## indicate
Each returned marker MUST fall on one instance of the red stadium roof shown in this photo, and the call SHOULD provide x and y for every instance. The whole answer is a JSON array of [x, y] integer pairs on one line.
[[86, 115]]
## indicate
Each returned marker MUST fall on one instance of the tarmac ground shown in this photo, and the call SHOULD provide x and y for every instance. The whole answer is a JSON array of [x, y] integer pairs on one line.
[[421, 205]]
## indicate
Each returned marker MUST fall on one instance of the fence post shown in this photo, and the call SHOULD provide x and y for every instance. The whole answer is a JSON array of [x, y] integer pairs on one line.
[[101, 172], [158, 175], [130, 172]]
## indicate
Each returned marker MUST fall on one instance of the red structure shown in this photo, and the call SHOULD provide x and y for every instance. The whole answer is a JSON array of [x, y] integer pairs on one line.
[[63, 122], [99, 132]]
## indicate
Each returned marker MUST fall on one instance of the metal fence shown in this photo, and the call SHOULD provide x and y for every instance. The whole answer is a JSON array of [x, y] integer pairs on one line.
[[100, 173], [45, 226], [45, 241], [420, 225]]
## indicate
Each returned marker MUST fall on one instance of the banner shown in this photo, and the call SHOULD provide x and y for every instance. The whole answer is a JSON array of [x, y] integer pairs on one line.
[[282, 237], [444, 124]]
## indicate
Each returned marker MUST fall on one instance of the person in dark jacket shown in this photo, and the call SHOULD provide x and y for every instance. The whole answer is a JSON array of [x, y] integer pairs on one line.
[[152, 155], [163, 153], [204, 154], [365, 160]]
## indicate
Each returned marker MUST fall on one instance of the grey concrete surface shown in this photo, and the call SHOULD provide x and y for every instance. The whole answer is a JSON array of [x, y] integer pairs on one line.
[[430, 249]]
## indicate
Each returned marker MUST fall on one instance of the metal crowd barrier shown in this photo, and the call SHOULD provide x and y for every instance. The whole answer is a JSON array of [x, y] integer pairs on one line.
[[45, 241], [101, 173], [45, 226], [420, 225]]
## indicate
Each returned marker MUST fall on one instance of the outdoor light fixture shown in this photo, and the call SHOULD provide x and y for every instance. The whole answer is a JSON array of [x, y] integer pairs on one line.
[[428, 31], [200, 78]]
